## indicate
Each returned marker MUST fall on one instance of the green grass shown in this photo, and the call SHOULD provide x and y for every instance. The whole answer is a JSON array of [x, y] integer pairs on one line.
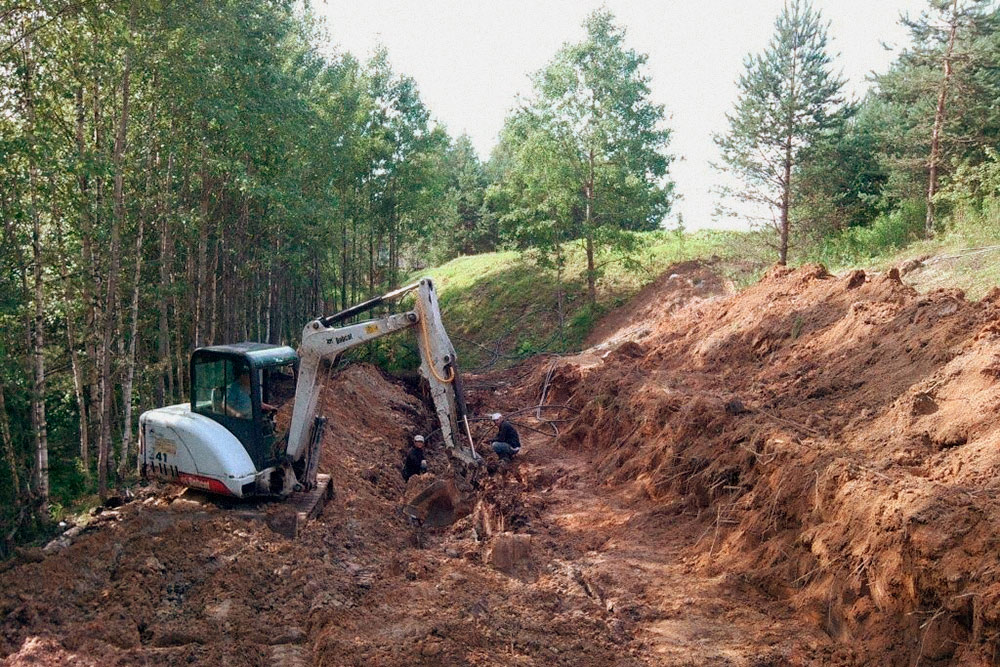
[[884, 237], [962, 255], [503, 306]]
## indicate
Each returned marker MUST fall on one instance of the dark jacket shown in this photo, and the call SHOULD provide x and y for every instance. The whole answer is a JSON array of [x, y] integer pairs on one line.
[[414, 462], [508, 434]]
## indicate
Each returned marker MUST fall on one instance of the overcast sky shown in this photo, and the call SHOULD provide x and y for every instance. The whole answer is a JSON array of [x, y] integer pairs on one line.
[[471, 58]]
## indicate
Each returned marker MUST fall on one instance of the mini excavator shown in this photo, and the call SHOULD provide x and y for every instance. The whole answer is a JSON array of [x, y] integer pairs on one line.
[[225, 441]]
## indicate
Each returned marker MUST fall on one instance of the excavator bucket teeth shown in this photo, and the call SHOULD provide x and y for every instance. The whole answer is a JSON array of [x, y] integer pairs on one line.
[[433, 502]]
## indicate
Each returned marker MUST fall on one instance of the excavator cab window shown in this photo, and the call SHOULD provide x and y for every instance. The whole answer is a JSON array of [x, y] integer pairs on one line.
[[278, 383], [222, 387]]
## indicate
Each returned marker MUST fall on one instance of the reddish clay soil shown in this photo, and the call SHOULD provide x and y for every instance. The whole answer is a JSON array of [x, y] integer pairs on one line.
[[684, 284], [836, 437], [799, 474]]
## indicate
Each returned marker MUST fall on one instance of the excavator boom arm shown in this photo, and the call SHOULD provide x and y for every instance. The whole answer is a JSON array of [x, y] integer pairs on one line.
[[323, 343], [438, 364]]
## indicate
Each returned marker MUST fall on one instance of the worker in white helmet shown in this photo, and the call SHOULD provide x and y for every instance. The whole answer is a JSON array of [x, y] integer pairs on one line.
[[414, 463], [507, 443]]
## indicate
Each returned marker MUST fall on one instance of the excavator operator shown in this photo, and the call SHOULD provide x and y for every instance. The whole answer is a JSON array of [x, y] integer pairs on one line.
[[238, 402]]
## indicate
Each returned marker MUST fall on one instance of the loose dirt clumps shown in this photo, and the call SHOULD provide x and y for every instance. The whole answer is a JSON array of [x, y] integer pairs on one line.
[[838, 439], [681, 285], [168, 580], [173, 581]]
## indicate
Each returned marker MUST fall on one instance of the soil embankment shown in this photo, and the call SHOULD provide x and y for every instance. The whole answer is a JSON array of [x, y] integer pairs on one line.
[[838, 439]]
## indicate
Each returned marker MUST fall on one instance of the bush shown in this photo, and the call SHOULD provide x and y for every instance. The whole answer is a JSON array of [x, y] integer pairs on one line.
[[974, 185], [887, 233], [975, 223]]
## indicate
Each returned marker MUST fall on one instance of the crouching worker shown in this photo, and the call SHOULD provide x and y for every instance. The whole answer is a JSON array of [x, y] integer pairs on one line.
[[414, 463], [507, 442]]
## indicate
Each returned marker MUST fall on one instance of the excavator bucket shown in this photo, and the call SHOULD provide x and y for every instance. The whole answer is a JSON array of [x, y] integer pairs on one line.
[[433, 502]]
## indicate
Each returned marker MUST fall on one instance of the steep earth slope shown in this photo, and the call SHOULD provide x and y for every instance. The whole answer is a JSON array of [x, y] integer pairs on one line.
[[837, 438]]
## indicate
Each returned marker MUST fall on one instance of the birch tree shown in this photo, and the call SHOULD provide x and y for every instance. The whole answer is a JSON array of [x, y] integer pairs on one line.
[[605, 151]]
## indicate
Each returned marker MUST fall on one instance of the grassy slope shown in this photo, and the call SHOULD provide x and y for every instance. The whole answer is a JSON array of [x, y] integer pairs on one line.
[[950, 261], [505, 303], [503, 306]]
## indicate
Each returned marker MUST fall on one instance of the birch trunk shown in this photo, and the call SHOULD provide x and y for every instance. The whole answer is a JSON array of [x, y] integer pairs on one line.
[[88, 265], [111, 294], [166, 376], [74, 354], [126, 451], [8, 446], [38, 325], [200, 269], [213, 291]]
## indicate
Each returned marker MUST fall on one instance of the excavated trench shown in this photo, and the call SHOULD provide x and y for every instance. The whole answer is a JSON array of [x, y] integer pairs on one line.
[[802, 473]]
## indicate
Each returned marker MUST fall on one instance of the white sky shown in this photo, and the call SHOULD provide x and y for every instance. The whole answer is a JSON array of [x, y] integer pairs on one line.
[[471, 58]]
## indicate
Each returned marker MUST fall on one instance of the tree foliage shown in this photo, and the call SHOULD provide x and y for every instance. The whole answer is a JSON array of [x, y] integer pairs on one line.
[[939, 98], [175, 175], [586, 156], [839, 181], [789, 99]]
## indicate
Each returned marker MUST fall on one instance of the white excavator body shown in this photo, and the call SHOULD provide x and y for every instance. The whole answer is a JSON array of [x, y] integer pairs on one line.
[[194, 450]]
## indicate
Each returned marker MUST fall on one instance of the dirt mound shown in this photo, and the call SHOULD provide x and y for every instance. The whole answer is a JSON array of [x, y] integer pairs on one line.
[[838, 439], [174, 582], [164, 580], [680, 285]]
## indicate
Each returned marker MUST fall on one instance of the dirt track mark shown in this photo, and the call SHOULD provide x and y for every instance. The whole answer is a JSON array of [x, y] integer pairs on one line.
[[635, 563]]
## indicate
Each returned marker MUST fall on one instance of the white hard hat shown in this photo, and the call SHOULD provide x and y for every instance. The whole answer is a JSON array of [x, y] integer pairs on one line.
[[418, 438], [496, 416]]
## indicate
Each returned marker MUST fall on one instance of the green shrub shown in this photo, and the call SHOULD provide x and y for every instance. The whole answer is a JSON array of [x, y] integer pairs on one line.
[[68, 480], [975, 223], [526, 349], [973, 185], [889, 232]]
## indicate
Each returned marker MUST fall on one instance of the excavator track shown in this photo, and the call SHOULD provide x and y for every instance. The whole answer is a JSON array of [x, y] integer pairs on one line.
[[286, 517], [300, 508]]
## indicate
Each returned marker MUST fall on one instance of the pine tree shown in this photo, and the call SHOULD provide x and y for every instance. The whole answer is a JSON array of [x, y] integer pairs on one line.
[[788, 99], [840, 179], [943, 91]]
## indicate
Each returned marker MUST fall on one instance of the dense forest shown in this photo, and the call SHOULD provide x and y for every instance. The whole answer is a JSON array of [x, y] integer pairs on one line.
[[178, 174], [181, 174]]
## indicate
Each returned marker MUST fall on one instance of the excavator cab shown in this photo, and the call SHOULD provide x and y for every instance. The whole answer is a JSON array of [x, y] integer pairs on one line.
[[232, 384]]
